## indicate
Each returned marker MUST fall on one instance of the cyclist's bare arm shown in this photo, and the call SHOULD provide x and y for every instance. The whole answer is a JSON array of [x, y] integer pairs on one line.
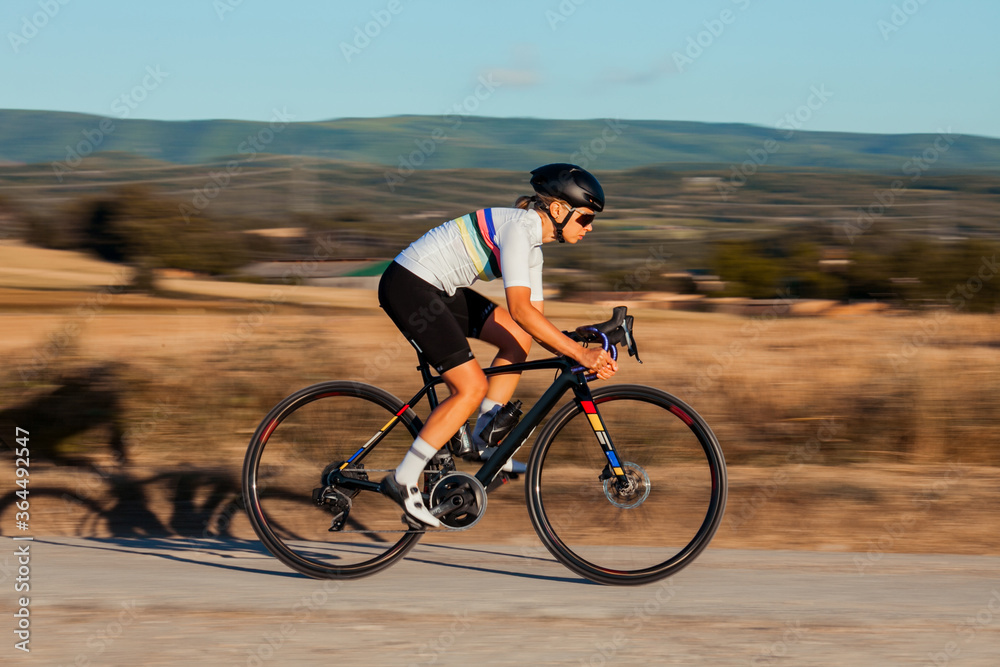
[[530, 318]]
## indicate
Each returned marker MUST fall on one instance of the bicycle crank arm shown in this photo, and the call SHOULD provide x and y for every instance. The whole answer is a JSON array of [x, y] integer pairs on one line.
[[446, 506]]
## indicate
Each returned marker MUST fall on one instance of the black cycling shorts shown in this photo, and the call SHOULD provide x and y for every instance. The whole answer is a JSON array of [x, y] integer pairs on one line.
[[436, 324]]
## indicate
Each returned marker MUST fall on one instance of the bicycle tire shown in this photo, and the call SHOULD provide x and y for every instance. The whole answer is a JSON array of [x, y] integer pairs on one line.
[[659, 527], [305, 433]]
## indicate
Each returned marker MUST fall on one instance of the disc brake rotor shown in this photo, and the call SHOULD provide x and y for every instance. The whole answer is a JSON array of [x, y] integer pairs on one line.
[[632, 495]]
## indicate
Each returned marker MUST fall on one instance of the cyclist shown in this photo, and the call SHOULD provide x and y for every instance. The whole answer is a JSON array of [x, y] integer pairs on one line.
[[425, 291]]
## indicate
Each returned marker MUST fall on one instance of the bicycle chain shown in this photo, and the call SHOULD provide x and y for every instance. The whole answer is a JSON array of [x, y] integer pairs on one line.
[[379, 532]]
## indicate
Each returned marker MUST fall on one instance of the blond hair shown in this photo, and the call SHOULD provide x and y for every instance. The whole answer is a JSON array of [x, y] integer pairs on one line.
[[535, 201]]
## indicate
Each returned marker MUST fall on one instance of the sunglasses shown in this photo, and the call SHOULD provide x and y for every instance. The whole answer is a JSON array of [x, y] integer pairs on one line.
[[584, 219]]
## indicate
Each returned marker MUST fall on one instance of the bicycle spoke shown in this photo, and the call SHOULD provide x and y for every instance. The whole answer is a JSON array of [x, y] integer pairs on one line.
[[642, 532], [311, 433]]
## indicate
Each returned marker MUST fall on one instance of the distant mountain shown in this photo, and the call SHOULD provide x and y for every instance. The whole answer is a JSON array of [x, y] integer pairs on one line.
[[446, 142]]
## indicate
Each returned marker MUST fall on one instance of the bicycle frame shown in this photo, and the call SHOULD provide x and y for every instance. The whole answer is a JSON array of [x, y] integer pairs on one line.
[[569, 379], [556, 490]]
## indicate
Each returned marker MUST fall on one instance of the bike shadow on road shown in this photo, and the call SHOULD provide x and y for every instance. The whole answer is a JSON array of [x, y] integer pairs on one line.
[[194, 551], [221, 554], [415, 556]]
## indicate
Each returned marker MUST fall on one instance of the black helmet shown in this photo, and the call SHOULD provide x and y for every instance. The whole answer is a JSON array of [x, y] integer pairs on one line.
[[574, 185]]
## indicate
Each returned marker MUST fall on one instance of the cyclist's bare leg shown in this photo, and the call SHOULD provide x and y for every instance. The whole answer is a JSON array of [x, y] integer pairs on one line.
[[468, 387], [514, 343]]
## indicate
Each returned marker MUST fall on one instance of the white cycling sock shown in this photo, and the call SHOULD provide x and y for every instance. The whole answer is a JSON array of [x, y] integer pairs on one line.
[[487, 409], [408, 471], [487, 405]]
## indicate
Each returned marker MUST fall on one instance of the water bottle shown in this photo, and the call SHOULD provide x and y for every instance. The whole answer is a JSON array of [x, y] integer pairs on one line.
[[502, 423]]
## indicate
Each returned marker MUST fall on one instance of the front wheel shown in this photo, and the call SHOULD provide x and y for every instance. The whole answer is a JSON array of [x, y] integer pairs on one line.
[[641, 531], [290, 454]]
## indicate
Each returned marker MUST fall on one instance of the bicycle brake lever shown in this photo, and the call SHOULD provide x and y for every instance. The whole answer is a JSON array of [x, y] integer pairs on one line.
[[630, 344]]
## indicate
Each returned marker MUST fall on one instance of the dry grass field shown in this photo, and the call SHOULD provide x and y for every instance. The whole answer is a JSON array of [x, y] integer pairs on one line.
[[863, 431]]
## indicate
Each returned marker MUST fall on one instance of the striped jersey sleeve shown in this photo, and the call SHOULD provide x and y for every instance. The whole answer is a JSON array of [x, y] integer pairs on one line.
[[485, 245]]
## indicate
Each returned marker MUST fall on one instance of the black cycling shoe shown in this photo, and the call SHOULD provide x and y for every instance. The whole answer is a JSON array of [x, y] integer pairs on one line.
[[410, 500]]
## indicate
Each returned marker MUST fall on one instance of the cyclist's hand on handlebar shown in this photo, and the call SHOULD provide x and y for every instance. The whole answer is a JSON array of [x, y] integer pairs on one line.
[[599, 361]]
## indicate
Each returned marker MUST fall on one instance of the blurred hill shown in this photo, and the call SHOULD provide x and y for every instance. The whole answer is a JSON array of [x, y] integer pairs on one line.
[[750, 211], [451, 142]]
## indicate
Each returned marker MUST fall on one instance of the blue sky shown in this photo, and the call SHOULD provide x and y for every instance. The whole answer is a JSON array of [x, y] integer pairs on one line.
[[887, 66]]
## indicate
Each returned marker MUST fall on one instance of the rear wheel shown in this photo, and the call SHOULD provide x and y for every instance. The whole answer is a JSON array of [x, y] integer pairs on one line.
[[648, 528], [303, 438]]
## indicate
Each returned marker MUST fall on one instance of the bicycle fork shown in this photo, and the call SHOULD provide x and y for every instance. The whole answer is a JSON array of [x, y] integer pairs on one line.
[[613, 470]]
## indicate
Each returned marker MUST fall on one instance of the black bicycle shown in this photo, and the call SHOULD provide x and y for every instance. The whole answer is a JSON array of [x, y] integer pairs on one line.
[[626, 484]]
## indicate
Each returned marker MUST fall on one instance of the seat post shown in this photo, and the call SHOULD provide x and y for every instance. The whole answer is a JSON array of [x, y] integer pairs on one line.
[[425, 374]]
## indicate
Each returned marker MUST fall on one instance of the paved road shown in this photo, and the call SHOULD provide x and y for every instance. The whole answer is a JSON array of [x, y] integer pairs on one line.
[[204, 602]]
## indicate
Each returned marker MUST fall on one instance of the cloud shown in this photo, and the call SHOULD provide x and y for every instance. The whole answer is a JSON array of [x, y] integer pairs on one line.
[[525, 72], [623, 76], [514, 78]]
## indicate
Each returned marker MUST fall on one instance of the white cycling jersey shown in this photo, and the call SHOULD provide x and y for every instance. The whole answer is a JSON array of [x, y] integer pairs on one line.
[[488, 244]]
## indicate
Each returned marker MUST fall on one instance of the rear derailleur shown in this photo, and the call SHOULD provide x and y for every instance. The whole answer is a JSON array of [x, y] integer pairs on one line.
[[336, 501]]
